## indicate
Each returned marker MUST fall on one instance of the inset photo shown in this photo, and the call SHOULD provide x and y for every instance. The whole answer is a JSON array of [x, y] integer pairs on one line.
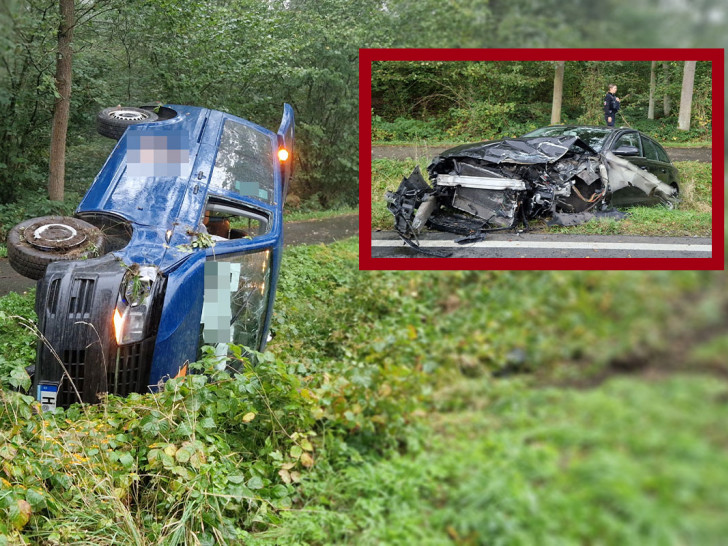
[[541, 159]]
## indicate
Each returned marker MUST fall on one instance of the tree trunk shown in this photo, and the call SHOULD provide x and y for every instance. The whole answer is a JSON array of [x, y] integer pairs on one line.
[[686, 96], [61, 107], [653, 84], [558, 93], [666, 106]]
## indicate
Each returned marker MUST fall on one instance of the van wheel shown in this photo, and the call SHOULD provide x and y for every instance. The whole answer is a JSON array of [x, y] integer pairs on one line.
[[35, 243], [112, 122]]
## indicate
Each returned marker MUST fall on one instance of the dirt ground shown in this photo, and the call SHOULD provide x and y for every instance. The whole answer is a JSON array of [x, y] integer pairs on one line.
[[323, 231], [703, 155]]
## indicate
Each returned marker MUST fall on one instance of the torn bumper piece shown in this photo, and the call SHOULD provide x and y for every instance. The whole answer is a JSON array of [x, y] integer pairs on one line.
[[406, 200]]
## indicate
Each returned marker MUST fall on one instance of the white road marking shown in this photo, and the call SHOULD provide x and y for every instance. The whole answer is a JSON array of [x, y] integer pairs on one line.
[[555, 245]]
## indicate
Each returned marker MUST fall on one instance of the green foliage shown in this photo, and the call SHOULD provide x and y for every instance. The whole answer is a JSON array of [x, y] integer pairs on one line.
[[202, 460], [360, 362], [474, 101], [407, 130], [17, 338], [312, 212], [665, 129], [32, 205], [631, 462]]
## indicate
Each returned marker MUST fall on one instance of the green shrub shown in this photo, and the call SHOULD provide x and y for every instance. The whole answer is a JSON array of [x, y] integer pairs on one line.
[[408, 130]]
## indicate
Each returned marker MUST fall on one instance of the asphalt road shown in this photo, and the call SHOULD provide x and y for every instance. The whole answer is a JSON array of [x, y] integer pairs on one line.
[[703, 155], [323, 231], [387, 244]]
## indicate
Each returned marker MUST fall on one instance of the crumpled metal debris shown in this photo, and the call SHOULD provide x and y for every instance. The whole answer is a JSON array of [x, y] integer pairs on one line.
[[492, 186]]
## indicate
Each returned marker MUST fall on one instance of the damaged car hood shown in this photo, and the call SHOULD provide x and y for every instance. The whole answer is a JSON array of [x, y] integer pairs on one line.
[[526, 151]]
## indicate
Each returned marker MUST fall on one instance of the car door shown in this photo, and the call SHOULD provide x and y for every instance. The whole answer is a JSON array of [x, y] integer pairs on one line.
[[629, 195]]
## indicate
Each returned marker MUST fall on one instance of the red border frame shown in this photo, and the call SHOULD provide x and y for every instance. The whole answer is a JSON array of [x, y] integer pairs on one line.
[[366, 56]]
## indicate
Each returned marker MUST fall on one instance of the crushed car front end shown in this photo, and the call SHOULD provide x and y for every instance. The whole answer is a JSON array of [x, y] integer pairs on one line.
[[498, 185]]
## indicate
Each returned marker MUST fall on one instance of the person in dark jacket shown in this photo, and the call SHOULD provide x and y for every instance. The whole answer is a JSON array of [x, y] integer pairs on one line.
[[611, 105]]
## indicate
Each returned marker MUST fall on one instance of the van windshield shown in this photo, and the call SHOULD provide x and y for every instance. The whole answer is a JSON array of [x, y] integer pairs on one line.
[[244, 162]]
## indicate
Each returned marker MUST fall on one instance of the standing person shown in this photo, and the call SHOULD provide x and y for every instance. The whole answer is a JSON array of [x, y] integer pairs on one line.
[[611, 105]]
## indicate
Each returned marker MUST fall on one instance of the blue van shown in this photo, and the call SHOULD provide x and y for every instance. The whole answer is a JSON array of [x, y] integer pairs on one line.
[[176, 243]]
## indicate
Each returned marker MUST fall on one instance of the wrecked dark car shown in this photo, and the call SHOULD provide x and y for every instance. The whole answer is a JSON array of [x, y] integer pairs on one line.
[[176, 243], [565, 174]]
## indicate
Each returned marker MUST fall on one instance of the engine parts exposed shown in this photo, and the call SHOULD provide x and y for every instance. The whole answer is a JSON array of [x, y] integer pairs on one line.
[[488, 186]]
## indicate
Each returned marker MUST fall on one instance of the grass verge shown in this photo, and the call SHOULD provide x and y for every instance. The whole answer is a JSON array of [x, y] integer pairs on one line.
[[295, 215]]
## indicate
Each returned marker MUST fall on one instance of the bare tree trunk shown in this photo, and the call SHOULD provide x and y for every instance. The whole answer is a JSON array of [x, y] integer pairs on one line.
[[558, 93], [61, 107], [653, 84], [666, 106], [686, 96]]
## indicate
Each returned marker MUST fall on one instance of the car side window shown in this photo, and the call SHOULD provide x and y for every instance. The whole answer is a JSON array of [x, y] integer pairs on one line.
[[224, 220], [629, 139], [649, 149]]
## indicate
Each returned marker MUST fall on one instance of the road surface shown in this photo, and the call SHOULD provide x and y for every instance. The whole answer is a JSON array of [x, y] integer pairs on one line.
[[387, 244]]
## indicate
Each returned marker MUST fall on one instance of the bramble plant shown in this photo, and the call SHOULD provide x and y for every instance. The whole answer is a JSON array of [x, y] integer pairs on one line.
[[357, 424]]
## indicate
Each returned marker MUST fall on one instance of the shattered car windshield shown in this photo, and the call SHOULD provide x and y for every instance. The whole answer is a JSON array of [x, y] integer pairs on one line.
[[244, 162], [593, 136]]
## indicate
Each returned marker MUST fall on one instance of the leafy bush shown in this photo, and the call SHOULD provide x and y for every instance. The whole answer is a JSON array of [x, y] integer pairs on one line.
[[665, 129], [408, 130], [202, 460], [17, 339], [481, 120]]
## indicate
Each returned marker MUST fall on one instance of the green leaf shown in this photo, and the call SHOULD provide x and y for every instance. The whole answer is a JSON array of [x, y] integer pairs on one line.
[[126, 459], [255, 483]]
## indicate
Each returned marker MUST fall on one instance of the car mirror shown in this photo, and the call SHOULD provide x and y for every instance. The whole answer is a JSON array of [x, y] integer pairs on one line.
[[627, 150]]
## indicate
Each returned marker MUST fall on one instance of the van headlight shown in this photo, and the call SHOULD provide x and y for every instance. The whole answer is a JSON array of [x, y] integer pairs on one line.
[[133, 304]]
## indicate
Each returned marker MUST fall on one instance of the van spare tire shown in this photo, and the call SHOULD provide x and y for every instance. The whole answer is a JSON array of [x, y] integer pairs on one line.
[[35, 243], [112, 122]]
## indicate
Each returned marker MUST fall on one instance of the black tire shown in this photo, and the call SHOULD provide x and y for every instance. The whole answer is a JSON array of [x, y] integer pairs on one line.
[[35, 243], [112, 122]]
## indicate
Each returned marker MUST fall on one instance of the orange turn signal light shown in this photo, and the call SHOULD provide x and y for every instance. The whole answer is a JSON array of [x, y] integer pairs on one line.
[[282, 154], [118, 326]]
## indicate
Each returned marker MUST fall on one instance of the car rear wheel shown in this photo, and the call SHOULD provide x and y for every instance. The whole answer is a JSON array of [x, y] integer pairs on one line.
[[112, 122], [37, 242]]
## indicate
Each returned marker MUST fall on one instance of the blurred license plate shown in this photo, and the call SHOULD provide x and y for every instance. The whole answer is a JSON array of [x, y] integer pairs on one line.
[[47, 395]]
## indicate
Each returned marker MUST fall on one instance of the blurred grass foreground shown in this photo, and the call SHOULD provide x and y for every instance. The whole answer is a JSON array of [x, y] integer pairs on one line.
[[402, 408]]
